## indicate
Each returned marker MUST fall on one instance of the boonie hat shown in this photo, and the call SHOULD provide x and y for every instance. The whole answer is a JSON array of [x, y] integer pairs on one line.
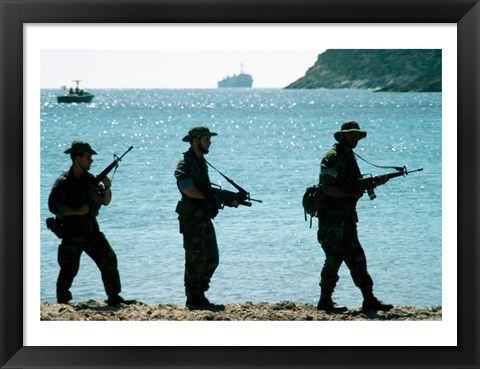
[[198, 132], [350, 126], [80, 146]]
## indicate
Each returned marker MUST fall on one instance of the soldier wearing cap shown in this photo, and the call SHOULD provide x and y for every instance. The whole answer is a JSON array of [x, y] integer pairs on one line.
[[195, 211], [76, 201], [337, 232]]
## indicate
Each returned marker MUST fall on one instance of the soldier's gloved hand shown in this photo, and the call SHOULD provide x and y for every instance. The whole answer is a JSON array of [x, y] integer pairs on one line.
[[107, 182], [232, 204]]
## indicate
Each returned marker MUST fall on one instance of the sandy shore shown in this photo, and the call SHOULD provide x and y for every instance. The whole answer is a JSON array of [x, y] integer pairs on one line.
[[262, 311]]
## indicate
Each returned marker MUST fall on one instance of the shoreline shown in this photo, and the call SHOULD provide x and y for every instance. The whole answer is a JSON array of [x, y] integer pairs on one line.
[[92, 310]]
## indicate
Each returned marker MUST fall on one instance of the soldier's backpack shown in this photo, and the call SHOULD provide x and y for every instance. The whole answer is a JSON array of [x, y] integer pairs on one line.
[[308, 202]]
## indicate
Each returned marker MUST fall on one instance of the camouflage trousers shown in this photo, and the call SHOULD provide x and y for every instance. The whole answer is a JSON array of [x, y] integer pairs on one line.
[[97, 247], [201, 254], [339, 240]]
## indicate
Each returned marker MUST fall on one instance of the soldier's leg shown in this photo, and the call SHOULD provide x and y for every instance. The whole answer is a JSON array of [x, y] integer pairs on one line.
[[104, 257], [195, 256], [212, 255], [357, 263], [355, 258], [69, 253], [330, 237]]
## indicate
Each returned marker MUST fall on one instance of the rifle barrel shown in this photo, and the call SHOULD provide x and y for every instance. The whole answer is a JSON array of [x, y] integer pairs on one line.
[[402, 172], [112, 165], [126, 152], [416, 170]]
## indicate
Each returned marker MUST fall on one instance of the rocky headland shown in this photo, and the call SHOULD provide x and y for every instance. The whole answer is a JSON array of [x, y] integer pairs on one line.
[[398, 70], [260, 311]]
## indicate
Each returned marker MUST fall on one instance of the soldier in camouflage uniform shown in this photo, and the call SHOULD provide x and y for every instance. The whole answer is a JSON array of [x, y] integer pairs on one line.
[[337, 232], [76, 201], [195, 211]]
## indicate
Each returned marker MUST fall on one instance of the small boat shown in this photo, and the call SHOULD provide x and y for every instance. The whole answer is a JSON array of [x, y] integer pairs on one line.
[[241, 80], [75, 96]]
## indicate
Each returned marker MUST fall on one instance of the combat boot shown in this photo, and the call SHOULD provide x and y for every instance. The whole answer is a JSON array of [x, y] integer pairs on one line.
[[326, 304], [64, 297], [370, 302], [198, 301], [115, 300], [375, 304]]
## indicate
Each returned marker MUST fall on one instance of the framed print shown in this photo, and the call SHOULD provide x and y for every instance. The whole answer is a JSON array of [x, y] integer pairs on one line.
[[185, 345]]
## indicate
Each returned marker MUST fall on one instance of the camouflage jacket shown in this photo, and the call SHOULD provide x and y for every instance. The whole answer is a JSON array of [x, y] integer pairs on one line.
[[69, 192], [192, 170], [342, 166]]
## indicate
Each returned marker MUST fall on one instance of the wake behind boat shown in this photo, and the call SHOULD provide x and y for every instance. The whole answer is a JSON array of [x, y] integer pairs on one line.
[[76, 96]]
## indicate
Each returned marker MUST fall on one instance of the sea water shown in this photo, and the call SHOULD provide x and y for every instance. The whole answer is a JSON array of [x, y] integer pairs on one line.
[[270, 142]]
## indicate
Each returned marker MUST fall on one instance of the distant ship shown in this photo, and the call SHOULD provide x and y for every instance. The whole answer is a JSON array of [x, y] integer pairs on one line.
[[241, 80], [76, 96]]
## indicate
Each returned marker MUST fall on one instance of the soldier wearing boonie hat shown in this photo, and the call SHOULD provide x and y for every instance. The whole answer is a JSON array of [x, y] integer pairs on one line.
[[195, 212], [80, 147], [76, 201], [350, 127], [337, 229], [198, 132]]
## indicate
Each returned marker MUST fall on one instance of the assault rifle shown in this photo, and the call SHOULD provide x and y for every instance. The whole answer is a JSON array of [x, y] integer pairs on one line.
[[368, 184], [226, 198], [108, 169]]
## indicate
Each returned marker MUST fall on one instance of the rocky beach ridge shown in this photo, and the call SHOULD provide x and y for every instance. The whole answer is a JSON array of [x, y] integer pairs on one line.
[[248, 311], [396, 70]]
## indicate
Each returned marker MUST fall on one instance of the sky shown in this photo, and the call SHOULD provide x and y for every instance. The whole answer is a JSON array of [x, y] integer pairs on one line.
[[172, 68], [199, 55]]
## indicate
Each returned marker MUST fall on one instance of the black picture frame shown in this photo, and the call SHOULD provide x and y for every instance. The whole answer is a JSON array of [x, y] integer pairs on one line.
[[16, 13]]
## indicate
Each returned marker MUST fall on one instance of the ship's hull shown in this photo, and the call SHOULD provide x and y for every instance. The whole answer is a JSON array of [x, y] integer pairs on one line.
[[242, 80], [74, 98]]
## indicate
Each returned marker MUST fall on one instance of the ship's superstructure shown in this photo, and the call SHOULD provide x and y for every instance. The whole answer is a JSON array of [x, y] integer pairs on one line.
[[237, 80]]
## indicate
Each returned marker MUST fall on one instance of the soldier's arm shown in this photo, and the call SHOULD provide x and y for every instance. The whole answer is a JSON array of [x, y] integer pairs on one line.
[[107, 195], [57, 206], [82, 210], [188, 188], [184, 180]]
